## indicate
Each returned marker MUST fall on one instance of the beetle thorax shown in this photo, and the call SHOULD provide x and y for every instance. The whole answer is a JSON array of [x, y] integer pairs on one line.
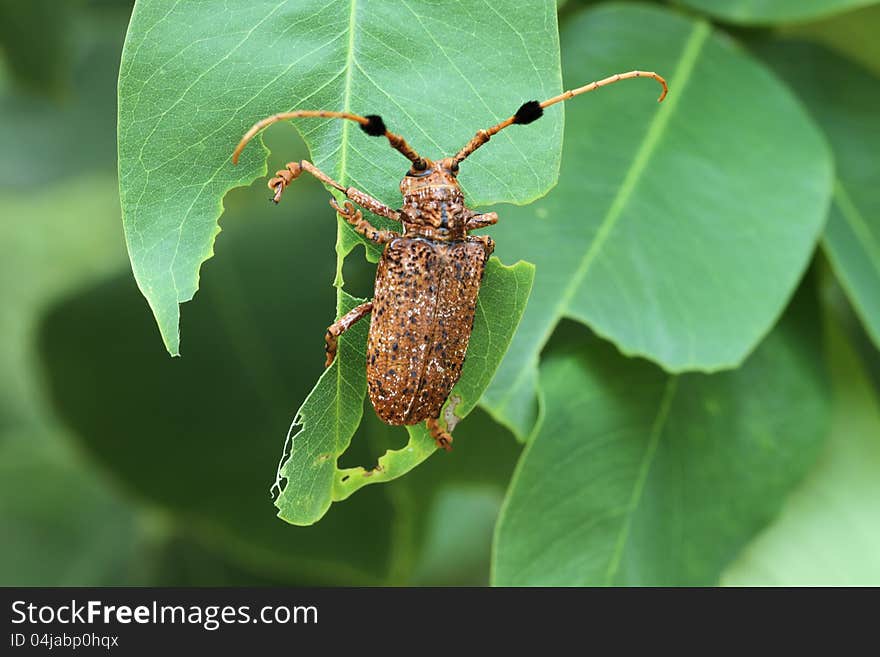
[[433, 204]]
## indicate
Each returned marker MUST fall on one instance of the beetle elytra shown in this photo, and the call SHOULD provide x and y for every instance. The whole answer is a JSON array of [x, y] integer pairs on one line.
[[429, 275]]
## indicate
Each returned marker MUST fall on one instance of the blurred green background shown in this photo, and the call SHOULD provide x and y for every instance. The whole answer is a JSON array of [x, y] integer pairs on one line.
[[107, 479]]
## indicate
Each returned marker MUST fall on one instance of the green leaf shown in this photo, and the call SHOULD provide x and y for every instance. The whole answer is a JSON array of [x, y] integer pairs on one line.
[[310, 477], [666, 477], [677, 231], [844, 100], [765, 12], [194, 77], [829, 531]]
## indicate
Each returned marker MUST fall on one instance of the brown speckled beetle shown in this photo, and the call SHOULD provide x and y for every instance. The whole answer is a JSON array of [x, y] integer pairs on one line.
[[429, 275]]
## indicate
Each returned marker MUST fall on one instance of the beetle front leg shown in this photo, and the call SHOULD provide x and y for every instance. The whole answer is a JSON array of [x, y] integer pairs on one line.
[[440, 435], [361, 225], [293, 170], [476, 221], [340, 326]]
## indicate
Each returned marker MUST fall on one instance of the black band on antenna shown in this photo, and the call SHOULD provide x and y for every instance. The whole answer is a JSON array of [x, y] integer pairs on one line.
[[375, 126], [528, 112]]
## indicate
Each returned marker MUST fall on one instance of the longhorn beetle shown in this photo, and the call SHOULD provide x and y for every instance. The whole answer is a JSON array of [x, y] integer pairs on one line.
[[429, 275]]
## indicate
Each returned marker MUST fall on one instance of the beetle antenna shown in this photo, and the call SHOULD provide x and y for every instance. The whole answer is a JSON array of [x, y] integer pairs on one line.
[[372, 124], [533, 110]]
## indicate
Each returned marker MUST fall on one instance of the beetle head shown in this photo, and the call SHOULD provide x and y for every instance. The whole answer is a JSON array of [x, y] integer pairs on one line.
[[427, 175], [433, 203]]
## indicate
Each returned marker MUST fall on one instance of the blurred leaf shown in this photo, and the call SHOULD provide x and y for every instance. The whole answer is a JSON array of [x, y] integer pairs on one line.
[[829, 531], [667, 476], [183, 559], [193, 80], [845, 101], [460, 523], [853, 34], [34, 40], [51, 242], [310, 478], [63, 526], [765, 12], [46, 140], [677, 231], [834, 297]]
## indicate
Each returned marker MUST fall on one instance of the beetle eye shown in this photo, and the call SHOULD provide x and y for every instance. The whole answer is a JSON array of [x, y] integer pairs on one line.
[[454, 167], [419, 165]]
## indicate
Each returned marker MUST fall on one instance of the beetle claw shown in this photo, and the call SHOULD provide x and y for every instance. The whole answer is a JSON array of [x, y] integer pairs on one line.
[[441, 436]]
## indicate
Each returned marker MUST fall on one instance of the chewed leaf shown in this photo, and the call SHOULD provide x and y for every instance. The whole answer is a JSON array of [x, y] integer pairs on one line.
[[309, 479], [195, 76], [326, 422], [193, 81]]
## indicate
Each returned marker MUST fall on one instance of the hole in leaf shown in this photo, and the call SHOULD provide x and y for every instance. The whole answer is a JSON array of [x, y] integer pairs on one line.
[[358, 274]]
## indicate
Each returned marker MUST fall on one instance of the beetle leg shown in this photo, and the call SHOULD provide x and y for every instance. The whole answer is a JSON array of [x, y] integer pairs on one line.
[[293, 170], [487, 242], [476, 221], [356, 218], [340, 326], [440, 435]]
